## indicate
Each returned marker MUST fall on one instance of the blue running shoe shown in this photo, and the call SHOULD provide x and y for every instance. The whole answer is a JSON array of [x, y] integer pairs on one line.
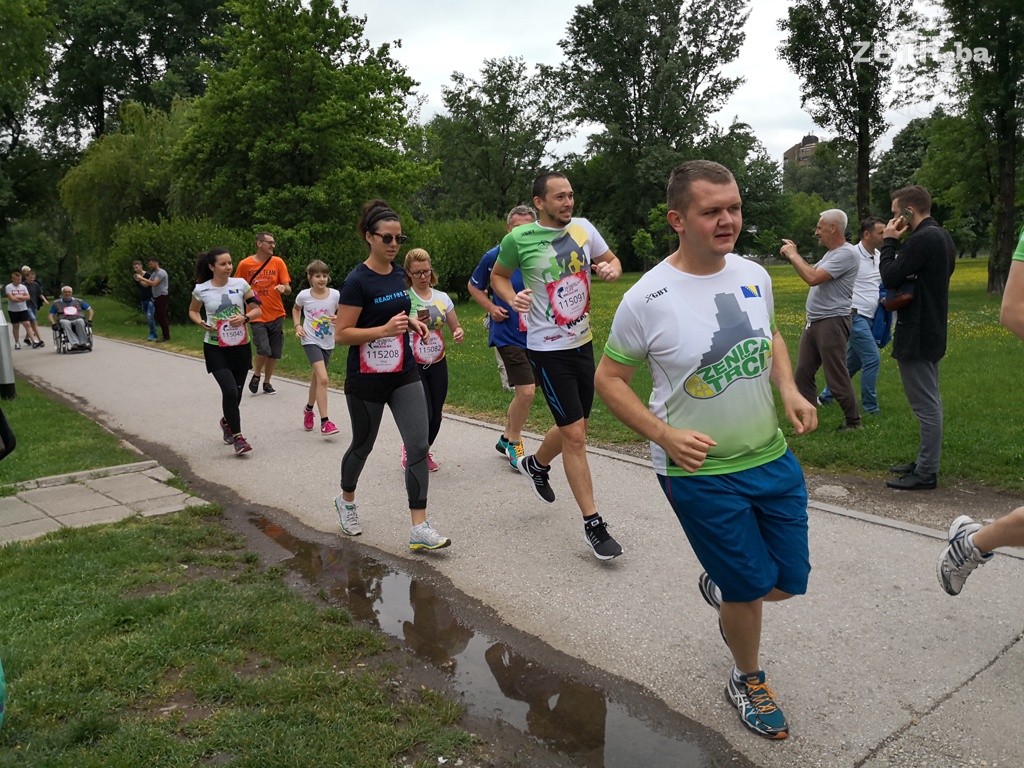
[[758, 709]]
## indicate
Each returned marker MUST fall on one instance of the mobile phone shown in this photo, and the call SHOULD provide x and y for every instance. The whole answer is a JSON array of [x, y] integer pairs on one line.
[[423, 315], [906, 214]]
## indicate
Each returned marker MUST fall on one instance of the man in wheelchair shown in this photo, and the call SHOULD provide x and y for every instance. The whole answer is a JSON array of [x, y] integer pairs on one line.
[[72, 317]]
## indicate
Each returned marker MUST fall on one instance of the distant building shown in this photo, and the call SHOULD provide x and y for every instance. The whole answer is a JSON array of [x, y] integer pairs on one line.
[[801, 153]]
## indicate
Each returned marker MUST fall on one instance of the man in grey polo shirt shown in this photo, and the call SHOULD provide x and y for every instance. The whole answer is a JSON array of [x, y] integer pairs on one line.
[[158, 281], [827, 331]]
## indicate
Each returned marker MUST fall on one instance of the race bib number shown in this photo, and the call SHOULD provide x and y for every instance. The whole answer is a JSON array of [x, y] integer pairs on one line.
[[428, 349], [70, 311], [522, 321], [229, 335], [569, 297], [385, 355]]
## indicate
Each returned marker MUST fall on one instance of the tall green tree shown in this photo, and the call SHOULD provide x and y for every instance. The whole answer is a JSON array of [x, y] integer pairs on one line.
[[124, 175], [983, 42], [304, 122], [897, 166], [493, 137], [107, 51], [650, 73], [839, 51]]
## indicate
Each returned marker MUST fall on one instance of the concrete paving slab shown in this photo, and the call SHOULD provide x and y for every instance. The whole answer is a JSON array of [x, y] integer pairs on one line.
[[13, 510], [162, 505], [96, 516], [28, 530], [874, 646], [61, 500], [131, 488], [159, 473]]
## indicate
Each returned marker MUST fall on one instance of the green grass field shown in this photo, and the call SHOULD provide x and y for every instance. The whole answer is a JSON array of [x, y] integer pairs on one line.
[[982, 420]]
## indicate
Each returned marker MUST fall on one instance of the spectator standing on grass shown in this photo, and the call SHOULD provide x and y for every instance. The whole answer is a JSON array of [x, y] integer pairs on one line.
[[826, 334], [436, 310], [373, 320], [37, 301], [972, 544], [268, 276], [506, 332], [146, 304], [314, 314], [926, 261], [159, 283], [862, 353], [229, 305]]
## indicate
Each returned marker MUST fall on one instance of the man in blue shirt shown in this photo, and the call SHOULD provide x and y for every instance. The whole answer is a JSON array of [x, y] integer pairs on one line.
[[507, 334]]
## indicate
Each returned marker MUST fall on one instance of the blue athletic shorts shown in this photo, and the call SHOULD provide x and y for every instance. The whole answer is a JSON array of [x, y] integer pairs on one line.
[[748, 529]]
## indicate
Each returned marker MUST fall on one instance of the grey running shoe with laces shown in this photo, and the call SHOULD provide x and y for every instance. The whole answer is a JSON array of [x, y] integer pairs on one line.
[[959, 558], [422, 536], [347, 516]]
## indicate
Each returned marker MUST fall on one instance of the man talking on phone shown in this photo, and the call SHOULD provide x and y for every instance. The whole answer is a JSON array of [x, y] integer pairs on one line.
[[925, 261]]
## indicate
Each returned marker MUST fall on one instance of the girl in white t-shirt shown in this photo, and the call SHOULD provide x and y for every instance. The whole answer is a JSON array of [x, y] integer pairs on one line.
[[436, 310], [314, 314]]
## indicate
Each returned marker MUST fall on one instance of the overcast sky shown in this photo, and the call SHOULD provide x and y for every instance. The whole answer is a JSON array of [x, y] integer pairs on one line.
[[443, 36]]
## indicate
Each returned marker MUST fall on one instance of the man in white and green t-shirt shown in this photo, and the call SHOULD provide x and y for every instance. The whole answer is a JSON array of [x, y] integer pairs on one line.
[[555, 255], [703, 320]]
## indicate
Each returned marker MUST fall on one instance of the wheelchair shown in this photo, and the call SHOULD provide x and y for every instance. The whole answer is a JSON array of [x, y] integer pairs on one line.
[[61, 345]]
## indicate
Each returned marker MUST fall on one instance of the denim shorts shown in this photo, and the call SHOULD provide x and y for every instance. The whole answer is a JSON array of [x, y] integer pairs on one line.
[[748, 528]]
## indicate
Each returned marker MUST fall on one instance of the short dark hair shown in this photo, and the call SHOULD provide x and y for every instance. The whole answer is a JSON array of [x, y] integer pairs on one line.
[[205, 262], [261, 236], [540, 184], [680, 181], [868, 223], [915, 196]]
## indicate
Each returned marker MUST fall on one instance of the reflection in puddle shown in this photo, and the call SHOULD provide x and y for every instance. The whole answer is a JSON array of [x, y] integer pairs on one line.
[[566, 716]]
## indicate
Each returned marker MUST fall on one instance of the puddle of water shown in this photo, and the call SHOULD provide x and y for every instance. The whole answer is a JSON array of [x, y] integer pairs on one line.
[[568, 717]]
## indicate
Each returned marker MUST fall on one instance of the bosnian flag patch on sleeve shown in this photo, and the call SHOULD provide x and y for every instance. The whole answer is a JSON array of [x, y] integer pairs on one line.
[[751, 291]]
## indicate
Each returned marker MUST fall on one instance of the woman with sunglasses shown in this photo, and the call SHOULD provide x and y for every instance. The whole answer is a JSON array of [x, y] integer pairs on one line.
[[435, 309], [373, 320]]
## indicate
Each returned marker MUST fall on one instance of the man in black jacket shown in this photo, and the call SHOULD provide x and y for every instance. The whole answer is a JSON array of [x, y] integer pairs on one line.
[[926, 261]]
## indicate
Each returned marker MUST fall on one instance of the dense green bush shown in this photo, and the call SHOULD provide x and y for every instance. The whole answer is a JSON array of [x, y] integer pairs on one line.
[[176, 243], [455, 248]]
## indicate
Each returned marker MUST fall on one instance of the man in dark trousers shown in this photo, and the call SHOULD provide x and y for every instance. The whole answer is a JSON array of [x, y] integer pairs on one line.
[[925, 261]]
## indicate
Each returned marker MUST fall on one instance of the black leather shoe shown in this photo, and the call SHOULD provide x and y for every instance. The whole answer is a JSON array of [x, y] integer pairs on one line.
[[914, 481], [903, 469]]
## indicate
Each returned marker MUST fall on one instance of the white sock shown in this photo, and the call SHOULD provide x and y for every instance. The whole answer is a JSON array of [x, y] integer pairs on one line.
[[718, 593]]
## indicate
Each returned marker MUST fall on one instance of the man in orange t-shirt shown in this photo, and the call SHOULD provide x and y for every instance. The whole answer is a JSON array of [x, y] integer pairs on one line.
[[268, 276]]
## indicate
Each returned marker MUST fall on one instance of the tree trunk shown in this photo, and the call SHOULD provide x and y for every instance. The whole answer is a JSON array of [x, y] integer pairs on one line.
[[863, 171]]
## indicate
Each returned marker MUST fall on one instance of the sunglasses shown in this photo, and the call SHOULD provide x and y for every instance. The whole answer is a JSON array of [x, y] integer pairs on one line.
[[386, 239], [422, 273]]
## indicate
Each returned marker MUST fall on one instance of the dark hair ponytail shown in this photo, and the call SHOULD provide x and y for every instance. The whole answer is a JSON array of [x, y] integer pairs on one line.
[[205, 262]]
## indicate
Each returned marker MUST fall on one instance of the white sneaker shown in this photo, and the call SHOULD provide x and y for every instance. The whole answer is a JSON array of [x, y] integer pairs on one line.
[[347, 516], [424, 537], [959, 559]]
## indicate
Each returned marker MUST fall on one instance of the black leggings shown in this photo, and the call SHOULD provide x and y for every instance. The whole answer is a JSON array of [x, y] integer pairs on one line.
[[229, 367], [408, 408], [435, 387]]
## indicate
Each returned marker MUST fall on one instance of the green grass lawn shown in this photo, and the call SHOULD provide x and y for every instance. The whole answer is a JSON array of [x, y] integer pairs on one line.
[[160, 642], [978, 375], [53, 439]]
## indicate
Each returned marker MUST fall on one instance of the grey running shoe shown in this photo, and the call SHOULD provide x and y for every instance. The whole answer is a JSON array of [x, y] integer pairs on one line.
[[959, 558], [424, 537], [759, 711], [229, 438], [708, 592], [347, 516], [241, 445], [597, 536]]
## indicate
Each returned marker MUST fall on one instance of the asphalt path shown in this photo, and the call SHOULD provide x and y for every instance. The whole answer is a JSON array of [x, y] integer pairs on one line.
[[875, 667]]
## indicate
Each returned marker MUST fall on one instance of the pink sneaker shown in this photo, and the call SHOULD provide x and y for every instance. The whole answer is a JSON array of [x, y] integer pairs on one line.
[[307, 420], [403, 457], [328, 428], [432, 466]]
